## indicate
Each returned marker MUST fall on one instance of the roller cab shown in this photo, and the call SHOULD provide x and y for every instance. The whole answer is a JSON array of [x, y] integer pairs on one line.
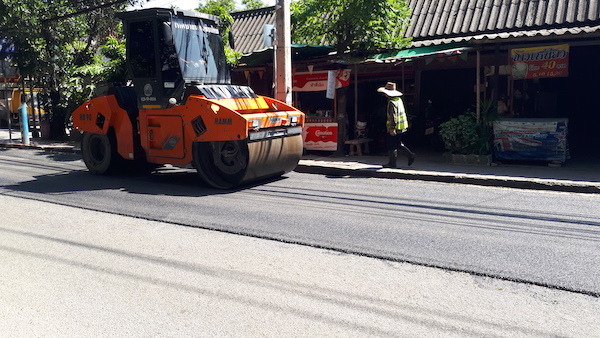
[[182, 109]]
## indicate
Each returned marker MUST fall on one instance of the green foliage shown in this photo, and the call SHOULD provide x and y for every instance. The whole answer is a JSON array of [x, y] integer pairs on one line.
[[57, 44], [460, 134], [253, 4], [216, 7], [351, 25], [114, 52], [106, 67], [465, 135]]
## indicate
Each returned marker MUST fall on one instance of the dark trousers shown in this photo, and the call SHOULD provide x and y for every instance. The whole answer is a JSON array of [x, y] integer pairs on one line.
[[394, 142]]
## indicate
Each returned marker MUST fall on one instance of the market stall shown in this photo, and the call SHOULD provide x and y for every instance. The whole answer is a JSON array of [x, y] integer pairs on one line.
[[315, 95], [537, 134]]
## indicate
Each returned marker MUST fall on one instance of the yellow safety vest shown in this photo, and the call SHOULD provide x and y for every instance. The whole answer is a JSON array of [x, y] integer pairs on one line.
[[396, 115]]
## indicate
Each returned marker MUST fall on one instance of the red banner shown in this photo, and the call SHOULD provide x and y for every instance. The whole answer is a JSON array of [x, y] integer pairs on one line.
[[540, 62], [317, 81]]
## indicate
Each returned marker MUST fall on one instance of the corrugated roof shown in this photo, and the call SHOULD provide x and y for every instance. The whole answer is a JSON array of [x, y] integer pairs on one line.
[[247, 28], [445, 21], [437, 22]]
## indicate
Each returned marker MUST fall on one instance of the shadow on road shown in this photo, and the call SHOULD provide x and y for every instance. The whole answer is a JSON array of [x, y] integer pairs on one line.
[[166, 181]]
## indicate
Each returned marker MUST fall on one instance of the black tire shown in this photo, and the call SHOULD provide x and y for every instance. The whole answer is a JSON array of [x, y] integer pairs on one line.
[[99, 153]]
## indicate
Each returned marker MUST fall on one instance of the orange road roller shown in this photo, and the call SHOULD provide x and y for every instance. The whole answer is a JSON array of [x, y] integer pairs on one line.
[[180, 108]]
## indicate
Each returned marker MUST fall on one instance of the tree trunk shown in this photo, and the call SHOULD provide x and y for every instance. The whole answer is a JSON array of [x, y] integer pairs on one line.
[[57, 117]]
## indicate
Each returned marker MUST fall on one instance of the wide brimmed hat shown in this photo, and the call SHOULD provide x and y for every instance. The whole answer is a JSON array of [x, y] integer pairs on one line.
[[390, 90]]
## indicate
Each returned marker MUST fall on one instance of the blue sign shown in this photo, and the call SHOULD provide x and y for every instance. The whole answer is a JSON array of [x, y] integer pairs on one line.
[[7, 48]]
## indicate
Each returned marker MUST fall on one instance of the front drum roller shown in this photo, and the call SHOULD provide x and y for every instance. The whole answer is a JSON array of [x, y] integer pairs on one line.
[[226, 164]]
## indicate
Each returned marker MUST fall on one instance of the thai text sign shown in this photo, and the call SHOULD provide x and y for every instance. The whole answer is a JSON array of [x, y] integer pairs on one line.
[[317, 81], [540, 62]]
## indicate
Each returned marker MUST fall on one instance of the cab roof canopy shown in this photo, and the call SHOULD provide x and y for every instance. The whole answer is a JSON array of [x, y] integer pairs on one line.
[[165, 13]]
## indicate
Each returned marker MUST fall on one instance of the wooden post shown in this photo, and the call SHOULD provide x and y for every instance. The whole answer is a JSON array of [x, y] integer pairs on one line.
[[283, 55], [478, 86]]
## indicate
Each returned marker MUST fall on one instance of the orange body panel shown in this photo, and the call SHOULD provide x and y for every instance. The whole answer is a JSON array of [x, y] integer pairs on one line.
[[99, 114], [85, 117], [245, 104], [222, 123], [167, 135], [259, 113], [163, 137]]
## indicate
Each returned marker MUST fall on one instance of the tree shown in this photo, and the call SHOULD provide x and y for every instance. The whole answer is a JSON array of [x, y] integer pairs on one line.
[[351, 25], [216, 6], [253, 4], [57, 45]]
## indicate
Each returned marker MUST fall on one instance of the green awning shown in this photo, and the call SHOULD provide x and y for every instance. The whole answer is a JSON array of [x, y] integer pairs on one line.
[[422, 52]]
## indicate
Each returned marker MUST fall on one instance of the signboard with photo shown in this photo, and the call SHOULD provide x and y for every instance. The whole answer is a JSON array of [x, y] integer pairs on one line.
[[540, 62]]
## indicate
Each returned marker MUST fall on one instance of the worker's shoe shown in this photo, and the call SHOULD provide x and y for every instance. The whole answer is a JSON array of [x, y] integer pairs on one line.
[[411, 156], [393, 156]]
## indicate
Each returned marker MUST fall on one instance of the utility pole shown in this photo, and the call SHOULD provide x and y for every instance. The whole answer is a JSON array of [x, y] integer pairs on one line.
[[5, 73], [283, 52]]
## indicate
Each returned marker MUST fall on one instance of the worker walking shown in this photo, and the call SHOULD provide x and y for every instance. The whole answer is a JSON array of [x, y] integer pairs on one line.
[[396, 125]]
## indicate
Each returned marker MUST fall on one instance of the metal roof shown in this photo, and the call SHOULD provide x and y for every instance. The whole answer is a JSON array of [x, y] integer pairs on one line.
[[444, 21], [436, 22], [247, 28]]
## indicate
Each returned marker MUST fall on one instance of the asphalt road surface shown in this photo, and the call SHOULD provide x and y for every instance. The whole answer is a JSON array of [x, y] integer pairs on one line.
[[319, 255]]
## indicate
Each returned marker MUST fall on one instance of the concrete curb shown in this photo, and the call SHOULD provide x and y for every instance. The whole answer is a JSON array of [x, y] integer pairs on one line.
[[33, 145], [444, 177]]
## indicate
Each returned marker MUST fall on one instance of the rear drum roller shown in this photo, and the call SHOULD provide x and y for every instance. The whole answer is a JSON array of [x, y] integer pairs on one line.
[[99, 153], [226, 164]]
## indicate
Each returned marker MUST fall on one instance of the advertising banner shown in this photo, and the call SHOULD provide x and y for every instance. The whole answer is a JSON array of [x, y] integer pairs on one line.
[[320, 136], [531, 139], [540, 62], [317, 81]]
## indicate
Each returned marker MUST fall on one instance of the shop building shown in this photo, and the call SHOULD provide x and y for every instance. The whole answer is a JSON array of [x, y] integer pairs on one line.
[[532, 59]]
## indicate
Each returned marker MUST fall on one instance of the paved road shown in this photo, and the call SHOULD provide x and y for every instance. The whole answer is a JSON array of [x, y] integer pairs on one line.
[[116, 230], [69, 272], [545, 238]]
